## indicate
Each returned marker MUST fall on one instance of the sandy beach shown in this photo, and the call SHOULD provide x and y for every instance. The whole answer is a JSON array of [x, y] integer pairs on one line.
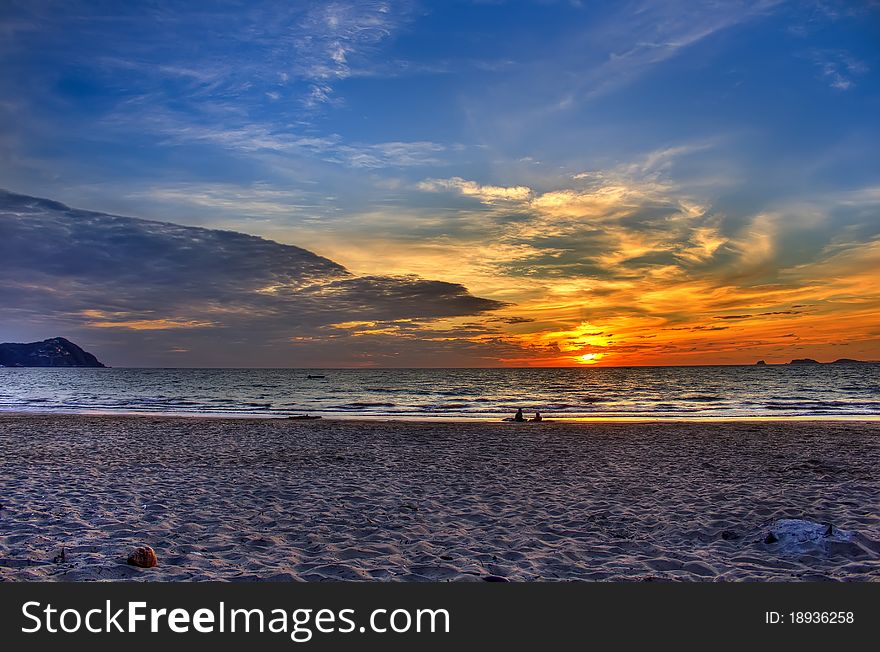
[[249, 499]]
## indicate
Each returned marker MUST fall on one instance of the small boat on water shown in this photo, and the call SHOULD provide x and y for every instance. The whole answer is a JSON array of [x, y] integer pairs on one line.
[[316, 376]]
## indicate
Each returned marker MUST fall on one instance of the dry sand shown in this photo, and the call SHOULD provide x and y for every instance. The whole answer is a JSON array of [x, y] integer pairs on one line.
[[232, 499]]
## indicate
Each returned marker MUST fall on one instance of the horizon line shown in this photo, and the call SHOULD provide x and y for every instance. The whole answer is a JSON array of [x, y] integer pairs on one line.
[[593, 366]]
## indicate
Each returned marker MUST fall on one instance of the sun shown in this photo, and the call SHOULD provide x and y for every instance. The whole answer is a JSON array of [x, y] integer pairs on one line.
[[589, 358]]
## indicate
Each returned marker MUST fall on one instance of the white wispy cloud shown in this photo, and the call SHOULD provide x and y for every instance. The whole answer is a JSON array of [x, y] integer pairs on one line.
[[639, 37], [302, 48], [256, 199], [254, 137], [838, 68], [391, 154], [487, 194], [333, 37]]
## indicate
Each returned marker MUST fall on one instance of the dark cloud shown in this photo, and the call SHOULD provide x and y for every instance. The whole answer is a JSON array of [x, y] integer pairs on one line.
[[514, 320], [699, 328], [217, 295], [775, 313]]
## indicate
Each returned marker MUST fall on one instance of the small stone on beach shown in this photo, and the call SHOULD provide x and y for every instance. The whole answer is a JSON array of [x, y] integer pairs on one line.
[[143, 557]]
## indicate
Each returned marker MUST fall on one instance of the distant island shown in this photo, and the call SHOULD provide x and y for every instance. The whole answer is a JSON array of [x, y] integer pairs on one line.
[[54, 352], [810, 361]]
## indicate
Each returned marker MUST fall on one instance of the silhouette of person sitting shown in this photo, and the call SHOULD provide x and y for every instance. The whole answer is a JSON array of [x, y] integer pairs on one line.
[[519, 416], [537, 416]]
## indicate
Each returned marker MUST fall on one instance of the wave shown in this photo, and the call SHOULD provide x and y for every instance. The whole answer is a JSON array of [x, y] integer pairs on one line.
[[358, 404]]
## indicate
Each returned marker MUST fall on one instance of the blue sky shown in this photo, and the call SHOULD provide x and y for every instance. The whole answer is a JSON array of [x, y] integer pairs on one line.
[[490, 144]]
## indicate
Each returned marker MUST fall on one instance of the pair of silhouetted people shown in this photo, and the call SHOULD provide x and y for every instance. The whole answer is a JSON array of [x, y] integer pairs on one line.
[[519, 416]]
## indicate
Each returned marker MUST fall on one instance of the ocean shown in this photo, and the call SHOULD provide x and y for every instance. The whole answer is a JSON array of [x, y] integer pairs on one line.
[[720, 392]]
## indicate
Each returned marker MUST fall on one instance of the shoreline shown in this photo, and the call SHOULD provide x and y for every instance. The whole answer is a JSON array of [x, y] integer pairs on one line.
[[830, 418], [328, 500]]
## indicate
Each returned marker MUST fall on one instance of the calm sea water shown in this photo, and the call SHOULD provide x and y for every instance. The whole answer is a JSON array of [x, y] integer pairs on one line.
[[658, 392]]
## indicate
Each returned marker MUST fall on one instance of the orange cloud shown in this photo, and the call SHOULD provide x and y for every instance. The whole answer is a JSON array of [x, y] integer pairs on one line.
[[623, 267]]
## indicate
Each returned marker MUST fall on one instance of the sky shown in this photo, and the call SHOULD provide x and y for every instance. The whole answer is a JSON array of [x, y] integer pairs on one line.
[[429, 184]]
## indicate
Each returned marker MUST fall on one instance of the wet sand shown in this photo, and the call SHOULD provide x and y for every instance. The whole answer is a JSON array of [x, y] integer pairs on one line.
[[240, 499]]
